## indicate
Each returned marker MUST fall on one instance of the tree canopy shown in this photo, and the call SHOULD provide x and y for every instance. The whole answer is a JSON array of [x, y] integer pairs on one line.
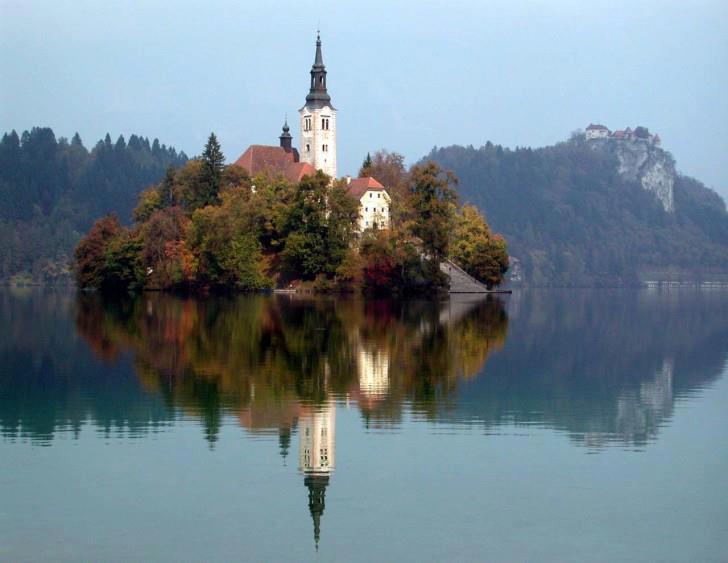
[[51, 190], [572, 220], [264, 231]]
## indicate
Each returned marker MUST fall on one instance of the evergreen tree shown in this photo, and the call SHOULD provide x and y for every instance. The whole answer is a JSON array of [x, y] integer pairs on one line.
[[366, 167], [167, 188], [213, 162]]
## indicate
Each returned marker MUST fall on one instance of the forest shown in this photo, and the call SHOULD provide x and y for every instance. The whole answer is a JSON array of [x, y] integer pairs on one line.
[[571, 220], [211, 227], [52, 190]]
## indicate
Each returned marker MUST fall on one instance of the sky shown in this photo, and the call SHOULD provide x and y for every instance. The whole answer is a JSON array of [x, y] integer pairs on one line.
[[405, 76]]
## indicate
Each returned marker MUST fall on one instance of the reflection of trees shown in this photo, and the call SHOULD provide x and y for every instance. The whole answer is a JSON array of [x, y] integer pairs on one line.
[[605, 367], [49, 381], [265, 358]]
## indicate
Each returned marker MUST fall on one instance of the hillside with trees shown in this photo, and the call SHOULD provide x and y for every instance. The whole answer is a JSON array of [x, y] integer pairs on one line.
[[52, 190], [571, 219], [208, 227]]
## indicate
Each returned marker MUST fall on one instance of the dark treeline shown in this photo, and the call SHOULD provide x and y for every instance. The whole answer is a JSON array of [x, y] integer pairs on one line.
[[573, 221], [52, 189]]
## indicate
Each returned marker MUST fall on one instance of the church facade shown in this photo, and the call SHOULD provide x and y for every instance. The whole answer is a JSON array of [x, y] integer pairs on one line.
[[317, 151]]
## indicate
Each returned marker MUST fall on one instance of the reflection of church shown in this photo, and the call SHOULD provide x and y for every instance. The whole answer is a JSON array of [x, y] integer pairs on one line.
[[317, 457], [373, 367]]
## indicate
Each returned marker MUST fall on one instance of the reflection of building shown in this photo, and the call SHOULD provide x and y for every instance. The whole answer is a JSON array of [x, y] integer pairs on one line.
[[317, 457], [373, 368]]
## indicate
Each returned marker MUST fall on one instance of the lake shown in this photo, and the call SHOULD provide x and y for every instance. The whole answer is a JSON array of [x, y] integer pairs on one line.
[[539, 426]]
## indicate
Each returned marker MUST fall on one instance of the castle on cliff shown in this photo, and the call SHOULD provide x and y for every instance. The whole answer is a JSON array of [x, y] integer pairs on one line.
[[638, 134]]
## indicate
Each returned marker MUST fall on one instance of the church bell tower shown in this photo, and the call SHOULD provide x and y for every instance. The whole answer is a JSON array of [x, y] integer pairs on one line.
[[318, 121]]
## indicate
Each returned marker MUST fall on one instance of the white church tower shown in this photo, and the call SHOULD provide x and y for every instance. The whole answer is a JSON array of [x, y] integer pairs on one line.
[[318, 121]]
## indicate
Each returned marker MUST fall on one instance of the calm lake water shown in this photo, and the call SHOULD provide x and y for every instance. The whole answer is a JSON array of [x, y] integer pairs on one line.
[[543, 426]]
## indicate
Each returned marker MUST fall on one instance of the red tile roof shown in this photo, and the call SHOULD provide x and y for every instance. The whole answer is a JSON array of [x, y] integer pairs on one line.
[[296, 171], [266, 159], [359, 186]]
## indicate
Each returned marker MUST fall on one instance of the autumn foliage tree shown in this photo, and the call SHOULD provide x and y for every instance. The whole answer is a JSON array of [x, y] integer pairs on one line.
[[475, 249], [206, 226]]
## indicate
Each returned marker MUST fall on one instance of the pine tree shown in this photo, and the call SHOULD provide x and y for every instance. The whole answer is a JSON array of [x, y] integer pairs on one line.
[[366, 167], [213, 162], [167, 188]]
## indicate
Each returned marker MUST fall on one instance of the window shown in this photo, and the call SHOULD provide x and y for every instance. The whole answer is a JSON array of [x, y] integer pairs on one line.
[[370, 194], [308, 148], [379, 195], [307, 123], [366, 209], [325, 148]]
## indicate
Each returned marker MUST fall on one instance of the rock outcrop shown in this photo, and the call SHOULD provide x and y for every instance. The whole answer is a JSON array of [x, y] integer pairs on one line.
[[643, 162]]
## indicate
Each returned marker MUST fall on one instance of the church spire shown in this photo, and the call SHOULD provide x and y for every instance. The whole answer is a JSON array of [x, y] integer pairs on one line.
[[285, 138], [317, 95], [319, 61]]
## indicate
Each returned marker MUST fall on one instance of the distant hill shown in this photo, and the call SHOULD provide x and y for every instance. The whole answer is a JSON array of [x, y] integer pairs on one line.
[[51, 191], [595, 213]]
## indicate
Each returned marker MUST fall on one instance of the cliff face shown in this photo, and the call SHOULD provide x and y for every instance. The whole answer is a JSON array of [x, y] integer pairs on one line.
[[594, 212], [645, 163]]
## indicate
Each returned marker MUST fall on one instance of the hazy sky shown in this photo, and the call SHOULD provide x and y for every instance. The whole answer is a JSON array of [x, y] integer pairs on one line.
[[404, 75]]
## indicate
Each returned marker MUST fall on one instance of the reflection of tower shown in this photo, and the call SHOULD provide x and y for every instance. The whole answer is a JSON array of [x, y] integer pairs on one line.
[[316, 457], [373, 371]]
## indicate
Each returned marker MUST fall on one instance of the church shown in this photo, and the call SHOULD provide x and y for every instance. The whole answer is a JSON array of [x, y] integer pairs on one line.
[[317, 151]]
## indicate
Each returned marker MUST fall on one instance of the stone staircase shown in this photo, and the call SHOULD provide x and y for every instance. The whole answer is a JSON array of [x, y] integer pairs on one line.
[[460, 280]]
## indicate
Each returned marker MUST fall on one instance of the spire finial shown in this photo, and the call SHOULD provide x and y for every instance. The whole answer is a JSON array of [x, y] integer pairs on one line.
[[318, 94]]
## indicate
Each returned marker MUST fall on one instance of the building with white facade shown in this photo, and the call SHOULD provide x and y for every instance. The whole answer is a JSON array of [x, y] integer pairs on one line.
[[373, 201], [596, 132], [318, 121], [317, 152]]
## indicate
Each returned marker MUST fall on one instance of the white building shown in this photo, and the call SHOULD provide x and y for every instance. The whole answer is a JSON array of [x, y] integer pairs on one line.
[[318, 121], [596, 132], [374, 203]]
